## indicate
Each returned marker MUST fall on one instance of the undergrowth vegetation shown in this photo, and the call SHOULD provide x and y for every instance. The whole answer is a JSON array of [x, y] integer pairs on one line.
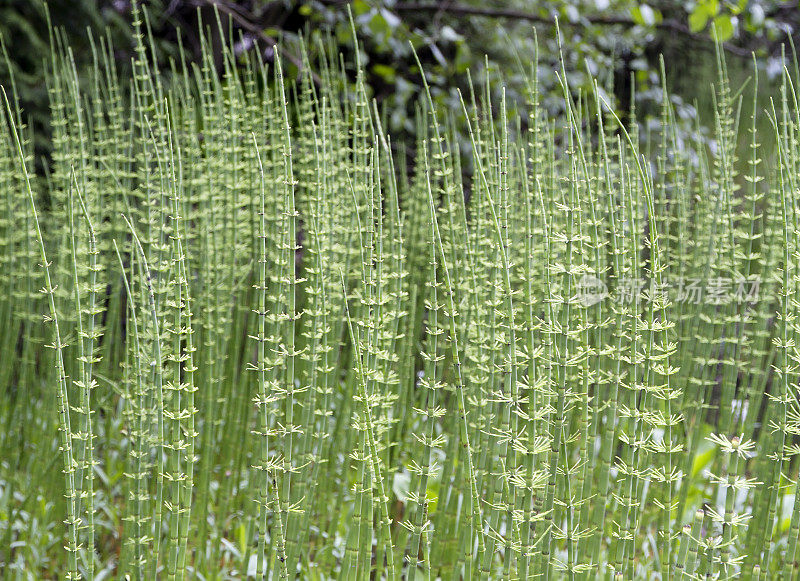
[[278, 345]]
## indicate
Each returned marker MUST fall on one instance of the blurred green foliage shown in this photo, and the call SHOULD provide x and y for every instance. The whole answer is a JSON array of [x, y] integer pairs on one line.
[[616, 41]]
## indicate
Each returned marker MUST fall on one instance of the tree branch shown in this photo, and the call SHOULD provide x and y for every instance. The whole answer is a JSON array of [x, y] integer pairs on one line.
[[254, 29]]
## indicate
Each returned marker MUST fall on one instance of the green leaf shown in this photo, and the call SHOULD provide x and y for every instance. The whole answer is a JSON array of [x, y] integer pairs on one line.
[[360, 7], [386, 72], [644, 15], [711, 7], [698, 20], [723, 28], [738, 7]]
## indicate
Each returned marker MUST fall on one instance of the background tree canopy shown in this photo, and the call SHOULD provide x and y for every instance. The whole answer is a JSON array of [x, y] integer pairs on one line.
[[616, 41]]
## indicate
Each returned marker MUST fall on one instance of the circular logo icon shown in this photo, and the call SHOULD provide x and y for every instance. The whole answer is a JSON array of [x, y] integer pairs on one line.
[[591, 290]]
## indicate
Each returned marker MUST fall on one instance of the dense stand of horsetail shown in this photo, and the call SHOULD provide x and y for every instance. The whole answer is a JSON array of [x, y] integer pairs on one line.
[[244, 333]]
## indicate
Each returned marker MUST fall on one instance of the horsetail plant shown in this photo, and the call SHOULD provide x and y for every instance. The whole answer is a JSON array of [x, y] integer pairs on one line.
[[284, 344]]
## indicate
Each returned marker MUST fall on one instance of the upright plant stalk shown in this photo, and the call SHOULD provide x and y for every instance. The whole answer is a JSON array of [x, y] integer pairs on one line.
[[65, 433]]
